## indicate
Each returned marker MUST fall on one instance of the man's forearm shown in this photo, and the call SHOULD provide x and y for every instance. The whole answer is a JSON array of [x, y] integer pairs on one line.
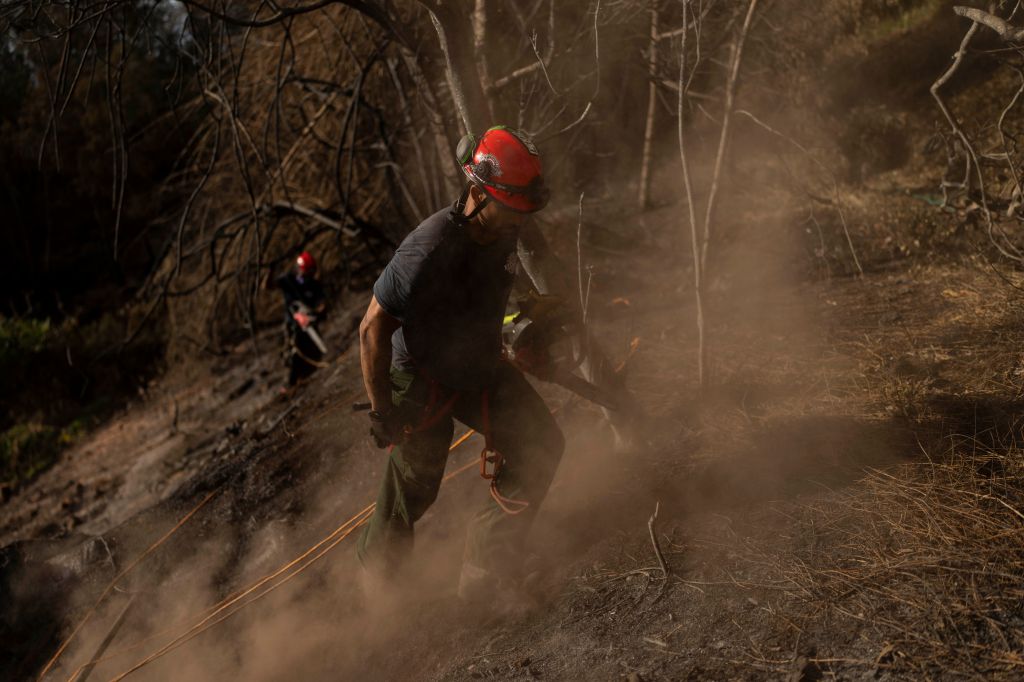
[[375, 359]]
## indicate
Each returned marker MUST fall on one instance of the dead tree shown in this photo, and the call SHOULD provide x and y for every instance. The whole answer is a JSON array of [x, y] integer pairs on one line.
[[701, 234], [652, 102]]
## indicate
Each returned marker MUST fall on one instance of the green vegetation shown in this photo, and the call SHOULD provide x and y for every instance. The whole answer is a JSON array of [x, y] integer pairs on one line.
[[895, 17], [19, 339], [26, 450], [60, 381]]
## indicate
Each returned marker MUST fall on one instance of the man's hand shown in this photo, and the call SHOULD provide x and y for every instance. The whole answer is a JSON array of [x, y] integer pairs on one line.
[[386, 429], [542, 308], [302, 319]]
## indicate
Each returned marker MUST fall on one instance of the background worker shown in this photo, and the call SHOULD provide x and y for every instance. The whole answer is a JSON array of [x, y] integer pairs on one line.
[[430, 348], [304, 306]]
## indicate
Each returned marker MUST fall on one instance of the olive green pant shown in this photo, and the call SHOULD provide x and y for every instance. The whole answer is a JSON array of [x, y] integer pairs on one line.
[[522, 429]]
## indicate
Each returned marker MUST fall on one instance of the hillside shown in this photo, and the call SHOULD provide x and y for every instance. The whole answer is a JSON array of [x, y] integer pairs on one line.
[[843, 502]]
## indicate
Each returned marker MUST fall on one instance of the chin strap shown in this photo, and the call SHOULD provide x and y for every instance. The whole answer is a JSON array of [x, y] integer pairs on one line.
[[460, 208]]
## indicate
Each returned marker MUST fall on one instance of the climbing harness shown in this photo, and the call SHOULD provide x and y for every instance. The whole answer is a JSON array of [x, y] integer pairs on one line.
[[489, 455], [491, 460]]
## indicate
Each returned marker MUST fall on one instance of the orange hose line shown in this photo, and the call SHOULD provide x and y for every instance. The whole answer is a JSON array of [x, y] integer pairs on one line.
[[234, 597], [206, 624], [156, 635], [359, 520], [126, 649], [188, 636], [110, 588]]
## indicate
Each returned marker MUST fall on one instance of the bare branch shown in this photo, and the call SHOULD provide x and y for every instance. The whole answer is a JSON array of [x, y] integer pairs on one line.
[[835, 183], [316, 215], [1002, 244], [691, 210], [723, 140], [1003, 28], [514, 76], [597, 80]]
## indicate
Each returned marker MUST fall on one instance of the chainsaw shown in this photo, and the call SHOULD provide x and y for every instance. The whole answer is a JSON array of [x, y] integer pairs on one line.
[[538, 340], [306, 320]]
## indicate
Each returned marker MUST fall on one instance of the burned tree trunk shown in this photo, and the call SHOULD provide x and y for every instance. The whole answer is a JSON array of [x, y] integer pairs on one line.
[[652, 102], [455, 38]]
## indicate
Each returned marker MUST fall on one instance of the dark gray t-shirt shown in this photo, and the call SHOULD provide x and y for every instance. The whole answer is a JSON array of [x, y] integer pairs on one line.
[[449, 293]]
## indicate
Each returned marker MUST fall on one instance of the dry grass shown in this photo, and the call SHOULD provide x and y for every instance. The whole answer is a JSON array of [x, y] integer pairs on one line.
[[917, 568], [928, 558]]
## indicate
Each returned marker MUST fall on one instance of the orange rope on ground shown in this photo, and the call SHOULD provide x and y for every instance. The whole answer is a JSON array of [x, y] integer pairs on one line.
[[334, 538], [205, 624], [227, 601], [110, 588], [236, 596], [126, 649]]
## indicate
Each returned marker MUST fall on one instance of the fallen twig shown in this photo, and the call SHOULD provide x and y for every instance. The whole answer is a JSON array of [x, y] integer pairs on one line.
[[266, 431], [654, 541]]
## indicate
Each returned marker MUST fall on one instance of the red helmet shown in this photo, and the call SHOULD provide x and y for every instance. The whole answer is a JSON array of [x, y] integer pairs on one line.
[[505, 164], [306, 264]]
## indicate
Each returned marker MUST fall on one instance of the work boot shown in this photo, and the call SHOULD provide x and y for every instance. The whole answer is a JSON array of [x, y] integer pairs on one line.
[[380, 588], [475, 583], [495, 596]]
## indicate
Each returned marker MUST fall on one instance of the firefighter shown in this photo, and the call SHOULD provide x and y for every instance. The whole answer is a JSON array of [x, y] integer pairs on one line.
[[304, 303], [430, 350]]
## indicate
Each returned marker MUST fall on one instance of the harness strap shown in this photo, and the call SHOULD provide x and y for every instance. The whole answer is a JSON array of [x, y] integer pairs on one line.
[[491, 456], [431, 413]]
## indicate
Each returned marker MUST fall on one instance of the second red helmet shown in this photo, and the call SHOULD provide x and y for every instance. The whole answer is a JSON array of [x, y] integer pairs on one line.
[[306, 264]]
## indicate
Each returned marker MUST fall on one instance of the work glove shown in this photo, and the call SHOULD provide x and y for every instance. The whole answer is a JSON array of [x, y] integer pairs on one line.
[[386, 428]]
